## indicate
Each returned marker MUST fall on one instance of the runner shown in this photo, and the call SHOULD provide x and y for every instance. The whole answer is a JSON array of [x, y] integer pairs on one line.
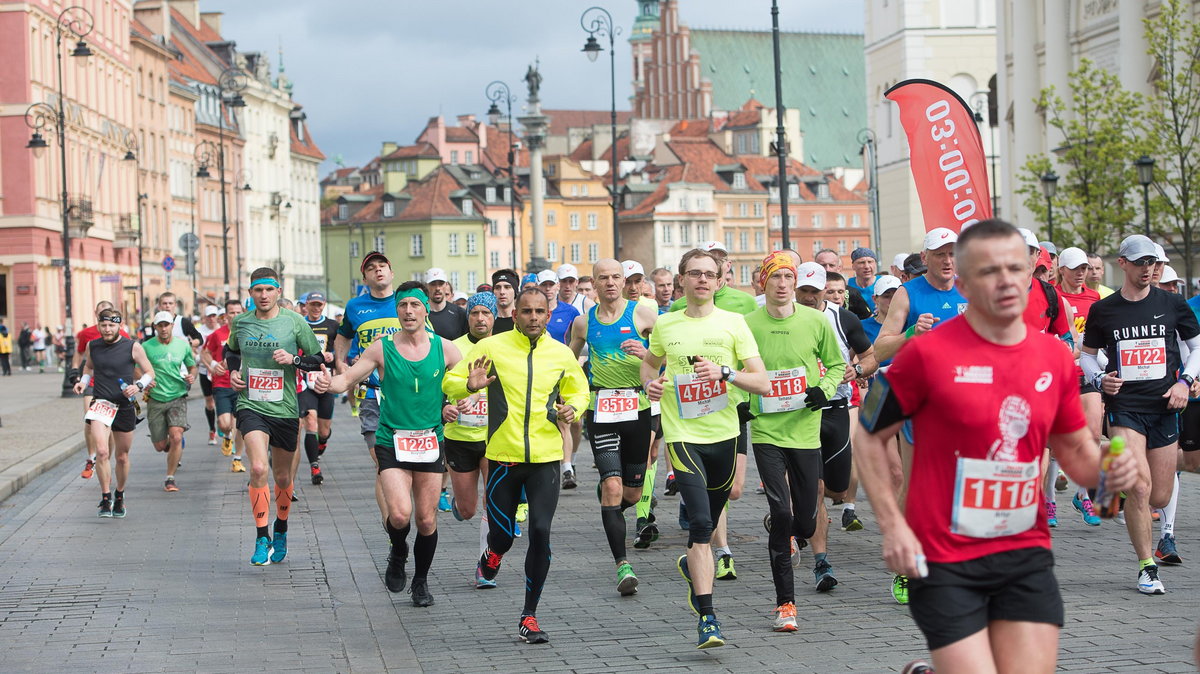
[[207, 327], [831, 260], [865, 264], [562, 316], [1095, 276], [175, 371], [664, 284], [466, 430], [224, 396], [108, 369], [618, 415], [261, 355], [183, 325], [989, 600], [447, 318], [885, 289], [568, 289], [82, 339], [523, 370], [587, 287], [700, 346], [804, 365], [1145, 384], [504, 287], [316, 409], [408, 453], [368, 318]]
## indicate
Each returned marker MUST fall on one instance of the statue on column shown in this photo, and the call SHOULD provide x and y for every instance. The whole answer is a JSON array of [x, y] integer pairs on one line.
[[533, 79]]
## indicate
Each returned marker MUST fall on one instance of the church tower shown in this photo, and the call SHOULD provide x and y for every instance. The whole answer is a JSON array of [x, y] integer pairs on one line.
[[639, 41]]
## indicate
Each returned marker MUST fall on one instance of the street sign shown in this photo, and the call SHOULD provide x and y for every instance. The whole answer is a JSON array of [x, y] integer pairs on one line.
[[360, 289], [110, 278], [189, 242], [168, 263], [58, 262]]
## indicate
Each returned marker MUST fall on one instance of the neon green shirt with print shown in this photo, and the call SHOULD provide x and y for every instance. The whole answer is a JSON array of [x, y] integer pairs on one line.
[[785, 344], [270, 387], [457, 431], [166, 359], [722, 337]]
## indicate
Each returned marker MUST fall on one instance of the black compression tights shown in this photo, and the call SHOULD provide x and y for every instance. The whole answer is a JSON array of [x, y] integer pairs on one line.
[[704, 476], [541, 484]]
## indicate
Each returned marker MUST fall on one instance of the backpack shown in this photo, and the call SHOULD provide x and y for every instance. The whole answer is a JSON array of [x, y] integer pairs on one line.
[[1052, 302]]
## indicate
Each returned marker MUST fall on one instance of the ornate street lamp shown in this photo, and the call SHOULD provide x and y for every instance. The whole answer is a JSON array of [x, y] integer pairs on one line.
[[131, 148], [781, 144], [1145, 171], [866, 138], [597, 21], [497, 92], [233, 80], [1050, 188]]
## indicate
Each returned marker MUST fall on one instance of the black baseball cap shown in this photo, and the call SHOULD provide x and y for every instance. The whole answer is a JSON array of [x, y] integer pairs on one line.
[[316, 296], [913, 265], [371, 257]]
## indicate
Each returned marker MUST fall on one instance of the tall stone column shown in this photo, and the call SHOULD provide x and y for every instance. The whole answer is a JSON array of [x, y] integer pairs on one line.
[[1026, 80], [535, 124]]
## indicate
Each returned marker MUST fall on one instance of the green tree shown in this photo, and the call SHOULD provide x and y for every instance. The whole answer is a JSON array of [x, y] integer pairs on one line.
[[1172, 120], [1101, 134]]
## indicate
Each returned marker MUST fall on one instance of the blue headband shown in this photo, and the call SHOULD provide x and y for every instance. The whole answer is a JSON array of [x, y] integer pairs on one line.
[[485, 299], [265, 281]]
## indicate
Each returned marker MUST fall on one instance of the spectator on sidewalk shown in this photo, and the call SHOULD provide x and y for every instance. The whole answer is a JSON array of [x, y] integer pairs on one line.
[[60, 347], [5, 351], [39, 348], [25, 344]]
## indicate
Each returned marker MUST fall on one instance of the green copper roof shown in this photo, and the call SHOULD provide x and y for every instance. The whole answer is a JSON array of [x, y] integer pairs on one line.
[[824, 77], [647, 21]]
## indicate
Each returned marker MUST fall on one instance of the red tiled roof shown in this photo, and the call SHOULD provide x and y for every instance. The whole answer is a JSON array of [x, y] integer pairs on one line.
[[584, 151], [305, 148], [460, 134], [562, 120], [495, 155], [669, 175], [770, 166], [695, 128], [189, 65], [431, 197], [749, 115], [702, 157], [414, 151]]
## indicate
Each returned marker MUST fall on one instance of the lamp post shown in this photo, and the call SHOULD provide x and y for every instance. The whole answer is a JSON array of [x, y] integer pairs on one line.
[[496, 92], [1145, 171], [131, 148], [232, 80], [78, 22], [781, 145], [866, 137], [241, 181], [597, 21], [977, 100], [283, 208], [1050, 188]]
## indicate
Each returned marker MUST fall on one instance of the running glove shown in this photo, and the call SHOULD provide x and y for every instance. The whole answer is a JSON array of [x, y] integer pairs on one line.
[[815, 399]]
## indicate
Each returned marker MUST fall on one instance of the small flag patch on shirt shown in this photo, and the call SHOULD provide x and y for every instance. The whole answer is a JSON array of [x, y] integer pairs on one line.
[[625, 329]]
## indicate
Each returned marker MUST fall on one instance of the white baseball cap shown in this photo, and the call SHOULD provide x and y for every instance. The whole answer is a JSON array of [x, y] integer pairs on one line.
[[713, 245], [459, 295], [1030, 240], [567, 271], [886, 283], [1072, 257], [163, 317], [1169, 275], [547, 276], [633, 267], [212, 310], [1162, 254], [898, 261], [810, 274], [938, 237], [435, 274]]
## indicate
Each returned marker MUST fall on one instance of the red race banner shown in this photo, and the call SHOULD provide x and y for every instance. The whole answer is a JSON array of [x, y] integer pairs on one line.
[[946, 154]]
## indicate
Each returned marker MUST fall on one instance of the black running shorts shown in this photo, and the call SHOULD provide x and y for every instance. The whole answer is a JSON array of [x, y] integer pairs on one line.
[[281, 433]]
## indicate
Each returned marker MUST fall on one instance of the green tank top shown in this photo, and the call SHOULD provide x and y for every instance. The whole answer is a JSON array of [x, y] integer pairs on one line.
[[411, 392]]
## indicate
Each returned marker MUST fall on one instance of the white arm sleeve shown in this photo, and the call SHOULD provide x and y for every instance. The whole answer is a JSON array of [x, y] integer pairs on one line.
[[1090, 365], [1191, 367]]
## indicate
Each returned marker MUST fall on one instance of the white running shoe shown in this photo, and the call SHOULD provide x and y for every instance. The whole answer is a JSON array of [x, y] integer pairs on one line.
[[1148, 582]]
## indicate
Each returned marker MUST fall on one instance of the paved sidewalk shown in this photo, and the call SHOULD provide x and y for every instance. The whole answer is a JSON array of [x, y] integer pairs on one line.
[[169, 588], [38, 428]]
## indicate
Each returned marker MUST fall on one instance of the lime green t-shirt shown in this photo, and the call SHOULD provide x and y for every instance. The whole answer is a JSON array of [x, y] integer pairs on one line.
[[722, 337], [727, 298], [785, 344], [270, 387], [166, 359], [455, 430]]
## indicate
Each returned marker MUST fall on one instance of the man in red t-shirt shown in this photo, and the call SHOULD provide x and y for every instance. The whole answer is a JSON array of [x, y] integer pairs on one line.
[[985, 394], [82, 339], [225, 398]]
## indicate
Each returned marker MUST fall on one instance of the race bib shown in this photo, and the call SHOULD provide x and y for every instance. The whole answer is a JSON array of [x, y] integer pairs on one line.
[[1142, 359], [416, 446], [102, 411], [477, 416], [699, 398], [265, 385], [655, 409], [787, 390], [615, 405], [994, 498], [312, 377]]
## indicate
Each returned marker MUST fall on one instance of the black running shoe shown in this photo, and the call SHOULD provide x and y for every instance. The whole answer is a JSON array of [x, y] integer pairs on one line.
[[420, 592], [118, 508], [395, 577], [530, 633], [647, 534], [489, 564], [105, 508]]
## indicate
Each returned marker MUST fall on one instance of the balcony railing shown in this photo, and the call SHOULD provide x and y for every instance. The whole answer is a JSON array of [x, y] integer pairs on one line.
[[125, 236], [79, 216]]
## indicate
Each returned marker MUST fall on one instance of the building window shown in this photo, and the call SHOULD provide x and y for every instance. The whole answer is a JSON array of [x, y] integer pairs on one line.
[[841, 247], [666, 232], [574, 218], [592, 221], [489, 194], [685, 233], [380, 242], [552, 251], [575, 252], [743, 210], [758, 209], [343, 211], [470, 156], [728, 241], [389, 209], [792, 221], [593, 253], [745, 272], [743, 241], [701, 232], [855, 245], [454, 280], [739, 181], [583, 189], [856, 220], [468, 207], [817, 247], [823, 191], [416, 247], [472, 282], [728, 209], [841, 220], [551, 218], [758, 241], [793, 192], [452, 245], [454, 156], [574, 190], [507, 194], [493, 228], [494, 259], [816, 220], [354, 252], [471, 243]]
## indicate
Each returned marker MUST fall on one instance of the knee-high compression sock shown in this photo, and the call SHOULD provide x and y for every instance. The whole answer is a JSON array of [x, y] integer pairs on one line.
[[260, 504], [1168, 513], [614, 530], [1051, 477], [211, 415], [398, 536], [483, 531], [423, 550], [643, 505], [310, 446], [283, 501]]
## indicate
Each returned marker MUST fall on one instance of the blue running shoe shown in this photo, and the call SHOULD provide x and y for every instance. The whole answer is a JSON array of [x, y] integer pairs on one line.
[[444, 502], [710, 633], [454, 510], [482, 583], [683, 571], [279, 548], [1084, 507], [1166, 552], [683, 517], [516, 530], [262, 551], [1051, 514]]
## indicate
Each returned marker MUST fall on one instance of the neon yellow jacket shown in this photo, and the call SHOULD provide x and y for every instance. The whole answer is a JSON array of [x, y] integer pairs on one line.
[[522, 419]]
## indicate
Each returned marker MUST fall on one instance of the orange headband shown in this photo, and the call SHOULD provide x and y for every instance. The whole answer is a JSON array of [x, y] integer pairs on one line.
[[773, 263]]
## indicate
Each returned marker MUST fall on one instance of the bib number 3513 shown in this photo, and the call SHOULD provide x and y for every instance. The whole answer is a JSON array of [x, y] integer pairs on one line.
[[699, 398], [994, 498], [416, 446], [616, 405]]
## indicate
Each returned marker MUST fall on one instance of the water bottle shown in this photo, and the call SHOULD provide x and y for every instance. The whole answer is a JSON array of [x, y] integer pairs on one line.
[[137, 408], [1109, 502]]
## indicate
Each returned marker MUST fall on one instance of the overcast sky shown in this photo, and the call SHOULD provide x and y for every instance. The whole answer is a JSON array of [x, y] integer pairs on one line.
[[373, 70]]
